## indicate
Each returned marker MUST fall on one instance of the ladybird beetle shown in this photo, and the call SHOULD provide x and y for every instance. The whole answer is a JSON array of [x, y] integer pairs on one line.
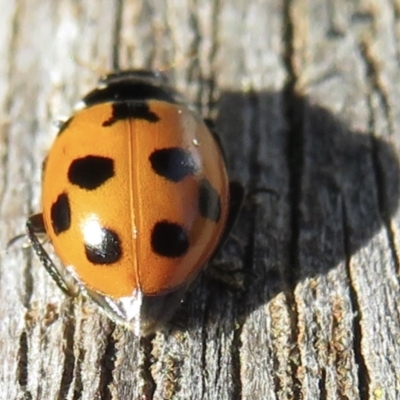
[[135, 199]]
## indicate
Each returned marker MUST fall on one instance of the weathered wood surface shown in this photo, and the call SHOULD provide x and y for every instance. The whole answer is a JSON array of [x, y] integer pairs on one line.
[[308, 97]]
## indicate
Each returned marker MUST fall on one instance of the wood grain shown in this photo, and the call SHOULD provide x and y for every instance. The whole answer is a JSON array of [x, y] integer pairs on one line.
[[306, 97]]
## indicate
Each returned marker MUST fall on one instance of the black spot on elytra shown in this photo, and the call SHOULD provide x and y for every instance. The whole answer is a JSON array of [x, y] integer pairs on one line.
[[209, 201], [108, 251], [173, 163], [169, 239], [90, 172], [61, 214], [131, 109]]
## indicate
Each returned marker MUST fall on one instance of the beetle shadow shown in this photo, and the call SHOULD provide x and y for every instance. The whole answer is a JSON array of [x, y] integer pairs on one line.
[[317, 192]]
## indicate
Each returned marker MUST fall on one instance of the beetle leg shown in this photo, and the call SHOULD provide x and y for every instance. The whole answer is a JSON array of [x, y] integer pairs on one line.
[[16, 239], [229, 272], [35, 228], [236, 197], [211, 127], [236, 190]]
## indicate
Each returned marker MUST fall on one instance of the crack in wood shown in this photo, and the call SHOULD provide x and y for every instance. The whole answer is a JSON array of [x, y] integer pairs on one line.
[[149, 387], [69, 356], [204, 339], [254, 156], [236, 360], [378, 169], [323, 393], [212, 87], [28, 281], [384, 200], [22, 366], [116, 39], [362, 372], [78, 386], [194, 68], [107, 365], [293, 108], [241, 302]]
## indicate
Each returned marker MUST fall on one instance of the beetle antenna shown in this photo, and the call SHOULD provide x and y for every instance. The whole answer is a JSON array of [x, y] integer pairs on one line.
[[16, 239]]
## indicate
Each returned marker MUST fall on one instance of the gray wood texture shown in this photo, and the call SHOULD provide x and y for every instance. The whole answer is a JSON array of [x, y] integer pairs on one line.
[[306, 96]]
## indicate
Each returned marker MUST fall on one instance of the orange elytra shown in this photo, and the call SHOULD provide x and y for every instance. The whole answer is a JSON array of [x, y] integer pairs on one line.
[[135, 199]]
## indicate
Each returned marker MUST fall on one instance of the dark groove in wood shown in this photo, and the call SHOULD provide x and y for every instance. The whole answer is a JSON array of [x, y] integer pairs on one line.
[[393, 249], [383, 201], [146, 346], [253, 110], [379, 175], [278, 386], [194, 73], [108, 365], [212, 100], [22, 367], [28, 280], [204, 339], [323, 393], [363, 375], [116, 43], [236, 364], [78, 385], [293, 113], [218, 363], [240, 307], [69, 360]]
